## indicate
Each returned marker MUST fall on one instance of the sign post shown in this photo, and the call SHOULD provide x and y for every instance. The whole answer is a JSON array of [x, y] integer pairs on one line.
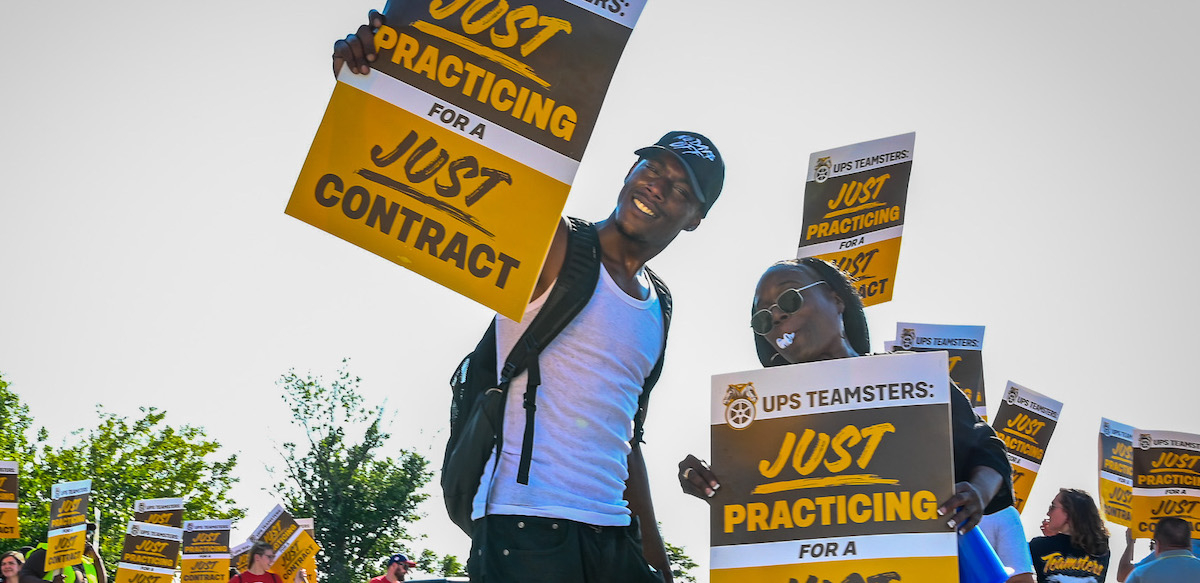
[[68, 524], [1166, 479], [833, 471], [454, 156], [965, 347], [1025, 421], [205, 551], [854, 203], [149, 554], [10, 525], [1116, 471]]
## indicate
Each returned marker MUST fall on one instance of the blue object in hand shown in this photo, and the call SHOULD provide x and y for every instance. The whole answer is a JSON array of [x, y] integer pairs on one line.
[[977, 562]]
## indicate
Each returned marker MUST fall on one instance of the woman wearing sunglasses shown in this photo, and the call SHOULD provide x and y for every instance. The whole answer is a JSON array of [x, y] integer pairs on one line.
[[807, 310]]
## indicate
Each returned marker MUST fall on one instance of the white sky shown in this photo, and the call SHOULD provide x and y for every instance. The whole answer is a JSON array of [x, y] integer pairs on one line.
[[147, 151]]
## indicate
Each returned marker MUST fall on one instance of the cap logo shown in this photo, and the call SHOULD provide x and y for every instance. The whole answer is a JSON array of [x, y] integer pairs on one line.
[[686, 144]]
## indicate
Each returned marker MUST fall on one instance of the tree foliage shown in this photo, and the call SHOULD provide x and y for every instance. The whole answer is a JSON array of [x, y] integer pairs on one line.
[[361, 501], [680, 563], [126, 461]]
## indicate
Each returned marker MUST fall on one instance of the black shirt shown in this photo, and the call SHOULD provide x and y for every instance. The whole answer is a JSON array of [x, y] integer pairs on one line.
[[1054, 555]]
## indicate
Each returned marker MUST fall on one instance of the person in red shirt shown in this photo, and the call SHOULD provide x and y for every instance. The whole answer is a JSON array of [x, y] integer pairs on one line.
[[397, 567], [261, 557]]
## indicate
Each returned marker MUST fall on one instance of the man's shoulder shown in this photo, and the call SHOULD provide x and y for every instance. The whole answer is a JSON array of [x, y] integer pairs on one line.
[[379, 579], [1176, 564]]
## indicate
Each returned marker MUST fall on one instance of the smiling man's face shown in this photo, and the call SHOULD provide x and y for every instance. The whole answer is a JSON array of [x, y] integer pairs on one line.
[[657, 201]]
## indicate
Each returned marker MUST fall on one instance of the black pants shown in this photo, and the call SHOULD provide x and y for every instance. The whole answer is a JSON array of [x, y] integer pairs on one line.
[[531, 549]]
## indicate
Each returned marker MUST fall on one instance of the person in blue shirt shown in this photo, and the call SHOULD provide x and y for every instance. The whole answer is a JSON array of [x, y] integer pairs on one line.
[[1173, 560]]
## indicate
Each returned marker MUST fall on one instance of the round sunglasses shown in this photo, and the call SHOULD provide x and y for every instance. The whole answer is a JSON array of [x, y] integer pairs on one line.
[[788, 302]]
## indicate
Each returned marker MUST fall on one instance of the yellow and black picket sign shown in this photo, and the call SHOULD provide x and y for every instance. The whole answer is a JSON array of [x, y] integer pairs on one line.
[[834, 470], [299, 553], [205, 551], [68, 524], [964, 344], [1116, 471], [241, 555], [1166, 479], [1025, 421], [294, 547], [308, 525], [149, 553], [454, 156], [164, 511], [854, 201], [10, 492]]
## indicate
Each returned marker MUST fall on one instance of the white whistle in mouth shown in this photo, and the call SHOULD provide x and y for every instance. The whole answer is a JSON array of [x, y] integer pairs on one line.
[[785, 341]]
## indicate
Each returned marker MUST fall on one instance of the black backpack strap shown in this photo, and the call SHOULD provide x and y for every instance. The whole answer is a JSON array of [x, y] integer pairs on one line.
[[576, 281], [664, 302], [572, 290]]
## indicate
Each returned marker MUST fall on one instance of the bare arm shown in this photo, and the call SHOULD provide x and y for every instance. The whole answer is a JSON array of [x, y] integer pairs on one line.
[[97, 562], [1125, 565], [554, 259], [637, 493]]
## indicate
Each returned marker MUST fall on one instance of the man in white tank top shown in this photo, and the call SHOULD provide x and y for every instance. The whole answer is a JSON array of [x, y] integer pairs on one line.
[[571, 522]]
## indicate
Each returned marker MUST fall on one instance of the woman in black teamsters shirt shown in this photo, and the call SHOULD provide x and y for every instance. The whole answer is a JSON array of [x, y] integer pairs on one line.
[[1079, 550]]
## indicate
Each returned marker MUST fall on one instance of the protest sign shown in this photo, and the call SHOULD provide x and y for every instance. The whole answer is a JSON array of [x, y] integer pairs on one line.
[[68, 524], [833, 470], [454, 156], [965, 347], [205, 552], [854, 203], [1166, 479], [10, 526], [309, 525], [1116, 471], [149, 553], [1025, 421], [300, 553], [293, 545], [241, 555], [164, 511]]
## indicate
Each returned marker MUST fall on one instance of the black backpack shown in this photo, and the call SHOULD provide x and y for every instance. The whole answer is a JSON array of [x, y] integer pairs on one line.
[[477, 404]]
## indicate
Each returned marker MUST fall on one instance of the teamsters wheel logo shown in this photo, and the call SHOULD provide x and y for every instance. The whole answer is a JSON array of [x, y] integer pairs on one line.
[[908, 338], [739, 405], [1012, 396], [822, 169], [1144, 441]]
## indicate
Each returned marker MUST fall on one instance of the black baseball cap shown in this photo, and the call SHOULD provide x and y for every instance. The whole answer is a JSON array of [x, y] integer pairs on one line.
[[402, 559], [700, 157]]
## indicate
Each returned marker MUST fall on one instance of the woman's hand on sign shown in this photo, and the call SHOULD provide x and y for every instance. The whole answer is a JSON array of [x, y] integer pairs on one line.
[[696, 478], [357, 50]]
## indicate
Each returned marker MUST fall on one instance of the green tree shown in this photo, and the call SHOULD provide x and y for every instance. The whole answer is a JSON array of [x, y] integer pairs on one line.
[[130, 461], [15, 445], [360, 500], [446, 566], [126, 461], [680, 563], [451, 567]]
